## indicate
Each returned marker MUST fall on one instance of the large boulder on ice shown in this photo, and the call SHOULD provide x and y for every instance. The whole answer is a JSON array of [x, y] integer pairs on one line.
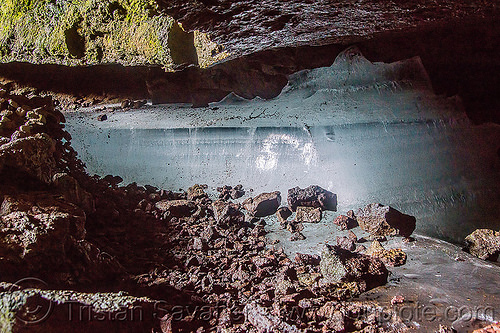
[[340, 265], [264, 204], [484, 244], [312, 196], [380, 220]]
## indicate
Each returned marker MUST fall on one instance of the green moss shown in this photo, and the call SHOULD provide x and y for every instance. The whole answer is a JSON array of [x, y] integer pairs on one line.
[[88, 32]]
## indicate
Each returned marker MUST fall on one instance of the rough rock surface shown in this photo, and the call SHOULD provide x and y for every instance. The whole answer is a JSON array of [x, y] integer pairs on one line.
[[380, 220], [312, 196], [339, 265], [283, 213], [484, 244], [345, 222], [227, 214], [308, 214], [177, 208], [264, 204], [265, 322], [391, 257], [196, 192]]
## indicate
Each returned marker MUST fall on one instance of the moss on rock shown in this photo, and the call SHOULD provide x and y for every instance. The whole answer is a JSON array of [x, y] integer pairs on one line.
[[89, 32]]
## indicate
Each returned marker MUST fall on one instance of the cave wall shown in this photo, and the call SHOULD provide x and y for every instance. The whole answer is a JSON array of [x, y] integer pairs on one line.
[[75, 33]]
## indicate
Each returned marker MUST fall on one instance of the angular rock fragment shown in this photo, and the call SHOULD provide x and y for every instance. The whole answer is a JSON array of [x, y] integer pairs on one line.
[[346, 243], [72, 192], [283, 213], [227, 214], [264, 204], [33, 155], [177, 208], [345, 222], [484, 244], [391, 258], [339, 265], [380, 220], [312, 196]]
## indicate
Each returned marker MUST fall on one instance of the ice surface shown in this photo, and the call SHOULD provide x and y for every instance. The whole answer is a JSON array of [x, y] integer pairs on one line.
[[370, 132]]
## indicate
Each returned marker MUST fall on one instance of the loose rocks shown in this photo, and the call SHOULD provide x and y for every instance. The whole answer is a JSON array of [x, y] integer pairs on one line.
[[380, 220], [312, 196]]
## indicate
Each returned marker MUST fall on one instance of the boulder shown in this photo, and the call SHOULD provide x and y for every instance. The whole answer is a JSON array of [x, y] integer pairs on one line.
[[72, 192], [484, 244], [312, 196], [391, 258], [33, 155], [340, 265], [308, 214], [264, 204], [177, 208], [345, 222], [380, 220], [36, 232], [283, 213], [227, 214]]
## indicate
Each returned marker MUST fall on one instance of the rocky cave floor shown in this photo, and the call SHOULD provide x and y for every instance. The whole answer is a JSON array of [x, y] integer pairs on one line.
[[84, 253]]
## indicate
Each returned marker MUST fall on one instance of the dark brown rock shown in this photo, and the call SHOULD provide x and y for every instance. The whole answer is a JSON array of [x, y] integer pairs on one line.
[[72, 192], [264, 204], [380, 220], [345, 222], [227, 214], [177, 208], [312, 196], [283, 213], [484, 244], [339, 265]]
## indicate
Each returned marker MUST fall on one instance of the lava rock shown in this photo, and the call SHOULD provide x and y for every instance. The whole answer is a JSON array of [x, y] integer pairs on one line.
[[102, 117], [33, 155], [196, 192], [484, 244], [264, 204], [283, 213], [227, 214], [263, 321], [345, 222], [307, 259], [308, 214], [72, 192], [312, 196], [380, 220], [346, 243], [391, 258], [177, 208], [339, 265]]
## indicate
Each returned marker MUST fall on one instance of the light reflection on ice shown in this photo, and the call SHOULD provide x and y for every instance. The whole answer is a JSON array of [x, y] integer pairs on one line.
[[275, 143], [366, 131]]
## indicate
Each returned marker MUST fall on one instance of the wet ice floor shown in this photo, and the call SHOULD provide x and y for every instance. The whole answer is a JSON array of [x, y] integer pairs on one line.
[[369, 132]]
